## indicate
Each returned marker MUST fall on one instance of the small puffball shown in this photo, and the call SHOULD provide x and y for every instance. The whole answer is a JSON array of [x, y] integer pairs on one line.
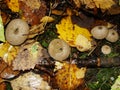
[[99, 32], [112, 35], [59, 49], [106, 49], [17, 31]]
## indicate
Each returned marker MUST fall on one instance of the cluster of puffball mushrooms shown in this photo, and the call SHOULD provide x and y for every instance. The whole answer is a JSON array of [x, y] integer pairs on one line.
[[17, 32], [102, 32]]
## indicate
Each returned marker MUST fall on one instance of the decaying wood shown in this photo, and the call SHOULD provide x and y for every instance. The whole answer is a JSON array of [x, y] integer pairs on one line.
[[98, 62]]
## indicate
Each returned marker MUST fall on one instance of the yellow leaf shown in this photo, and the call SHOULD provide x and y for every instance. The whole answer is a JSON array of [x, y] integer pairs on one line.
[[69, 77], [104, 4], [69, 31], [47, 19], [2, 37], [8, 52], [13, 5]]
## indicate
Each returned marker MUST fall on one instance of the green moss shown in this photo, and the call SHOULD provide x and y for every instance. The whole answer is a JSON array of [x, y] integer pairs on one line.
[[102, 78]]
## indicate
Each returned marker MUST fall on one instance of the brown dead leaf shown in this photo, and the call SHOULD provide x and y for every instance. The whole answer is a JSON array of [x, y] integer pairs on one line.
[[9, 73], [6, 71], [35, 30], [78, 3], [3, 65], [1, 80], [2, 85], [58, 12], [32, 10], [102, 4], [88, 3], [28, 56], [114, 10]]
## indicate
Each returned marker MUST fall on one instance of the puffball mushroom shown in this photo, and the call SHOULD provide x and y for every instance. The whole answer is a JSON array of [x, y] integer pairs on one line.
[[59, 49], [106, 49], [112, 35], [99, 32], [17, 31]]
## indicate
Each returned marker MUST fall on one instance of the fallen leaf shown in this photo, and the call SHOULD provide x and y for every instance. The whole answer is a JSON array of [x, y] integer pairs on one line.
[[8, 52], [69, 31], [2, 84], [46, 19], [58, 12], [13, 5], [2, 37], [102, 4], [6, 71], [69, 77]]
